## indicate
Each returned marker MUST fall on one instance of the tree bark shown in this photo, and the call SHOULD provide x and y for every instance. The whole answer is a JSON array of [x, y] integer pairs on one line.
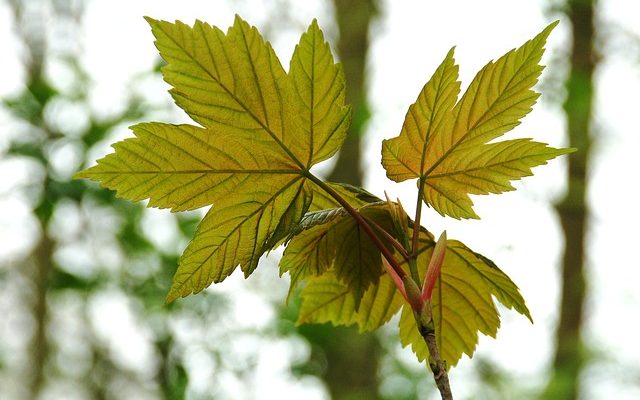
[[353, 17], [573, 212]]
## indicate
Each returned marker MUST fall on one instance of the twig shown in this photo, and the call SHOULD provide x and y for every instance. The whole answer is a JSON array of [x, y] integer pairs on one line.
[[438, 367]]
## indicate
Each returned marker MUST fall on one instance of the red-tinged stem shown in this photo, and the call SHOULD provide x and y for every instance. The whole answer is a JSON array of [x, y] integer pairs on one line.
[[390, 238], [360, 220], [396, 279]]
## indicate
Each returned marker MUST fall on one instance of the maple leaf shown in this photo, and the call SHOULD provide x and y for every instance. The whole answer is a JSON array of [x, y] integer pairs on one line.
[[327, 299], [462, 302], [262, 130], [446, 144], [331, 240]]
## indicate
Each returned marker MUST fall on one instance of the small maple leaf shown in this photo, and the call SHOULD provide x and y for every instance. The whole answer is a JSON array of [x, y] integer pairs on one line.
[[447, 145], [462, 301]]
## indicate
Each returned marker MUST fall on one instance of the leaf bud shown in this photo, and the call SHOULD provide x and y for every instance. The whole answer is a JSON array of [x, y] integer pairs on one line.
[[435, 264]]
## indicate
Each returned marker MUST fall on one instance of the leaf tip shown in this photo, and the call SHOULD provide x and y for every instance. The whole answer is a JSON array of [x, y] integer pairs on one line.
[[239, 22], [569, 150], [153, 23], [529, 317], [84, 174], [552, 25], [171, 297], [542, 36], [451, 52]]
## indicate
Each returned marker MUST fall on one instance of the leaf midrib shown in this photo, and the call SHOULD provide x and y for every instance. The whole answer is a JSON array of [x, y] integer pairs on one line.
[[487, 166], [429, 131], [312, 102], [231, 94], [493, 104], [240, 224], [205, 171]]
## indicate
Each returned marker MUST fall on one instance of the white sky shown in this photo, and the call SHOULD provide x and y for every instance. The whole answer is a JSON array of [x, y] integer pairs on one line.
[[518, 230]]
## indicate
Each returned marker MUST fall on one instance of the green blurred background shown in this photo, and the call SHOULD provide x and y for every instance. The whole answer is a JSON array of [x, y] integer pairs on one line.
[[83, 274]]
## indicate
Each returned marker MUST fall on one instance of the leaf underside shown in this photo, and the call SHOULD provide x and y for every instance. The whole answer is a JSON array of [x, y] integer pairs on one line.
[[462, 303], [333, 242], [262, 130], [447, 145]]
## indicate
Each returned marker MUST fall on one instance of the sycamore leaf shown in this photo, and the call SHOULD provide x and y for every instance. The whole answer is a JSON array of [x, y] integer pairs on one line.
[[445, 145], [310, 254], [327, 299], [462, 302], [331, 239], [262, 130]]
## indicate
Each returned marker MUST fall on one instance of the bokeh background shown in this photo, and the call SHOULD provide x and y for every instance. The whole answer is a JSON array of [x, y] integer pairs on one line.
[[83, 274]]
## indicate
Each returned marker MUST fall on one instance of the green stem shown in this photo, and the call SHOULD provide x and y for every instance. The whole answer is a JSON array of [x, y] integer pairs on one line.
[[425, 324], [413, 260], [360, 220]]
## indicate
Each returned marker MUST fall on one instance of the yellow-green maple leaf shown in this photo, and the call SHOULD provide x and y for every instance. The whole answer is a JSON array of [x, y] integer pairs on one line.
[[262, 130], [446, 145], [462, 302], [327, 299], [332, 240]]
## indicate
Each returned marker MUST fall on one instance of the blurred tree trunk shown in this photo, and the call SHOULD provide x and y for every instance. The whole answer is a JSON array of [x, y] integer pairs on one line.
[[37, 268], [45, 280], [352, 358], [353, 18], [568, 360]]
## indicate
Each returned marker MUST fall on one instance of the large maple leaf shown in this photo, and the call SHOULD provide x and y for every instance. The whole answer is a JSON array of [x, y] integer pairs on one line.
[[447, 145], [262, 130]]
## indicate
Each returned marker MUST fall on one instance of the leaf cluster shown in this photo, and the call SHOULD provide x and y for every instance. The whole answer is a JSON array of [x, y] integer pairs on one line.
[[260, 131]]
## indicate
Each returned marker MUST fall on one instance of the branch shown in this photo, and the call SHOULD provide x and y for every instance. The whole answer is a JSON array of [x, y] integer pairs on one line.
[[438, 367]]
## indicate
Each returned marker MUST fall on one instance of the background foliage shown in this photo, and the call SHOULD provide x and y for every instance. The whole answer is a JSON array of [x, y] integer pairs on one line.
[[84, 282]]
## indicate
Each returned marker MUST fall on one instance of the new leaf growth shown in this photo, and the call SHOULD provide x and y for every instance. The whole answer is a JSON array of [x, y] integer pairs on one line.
[[352, 257]]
